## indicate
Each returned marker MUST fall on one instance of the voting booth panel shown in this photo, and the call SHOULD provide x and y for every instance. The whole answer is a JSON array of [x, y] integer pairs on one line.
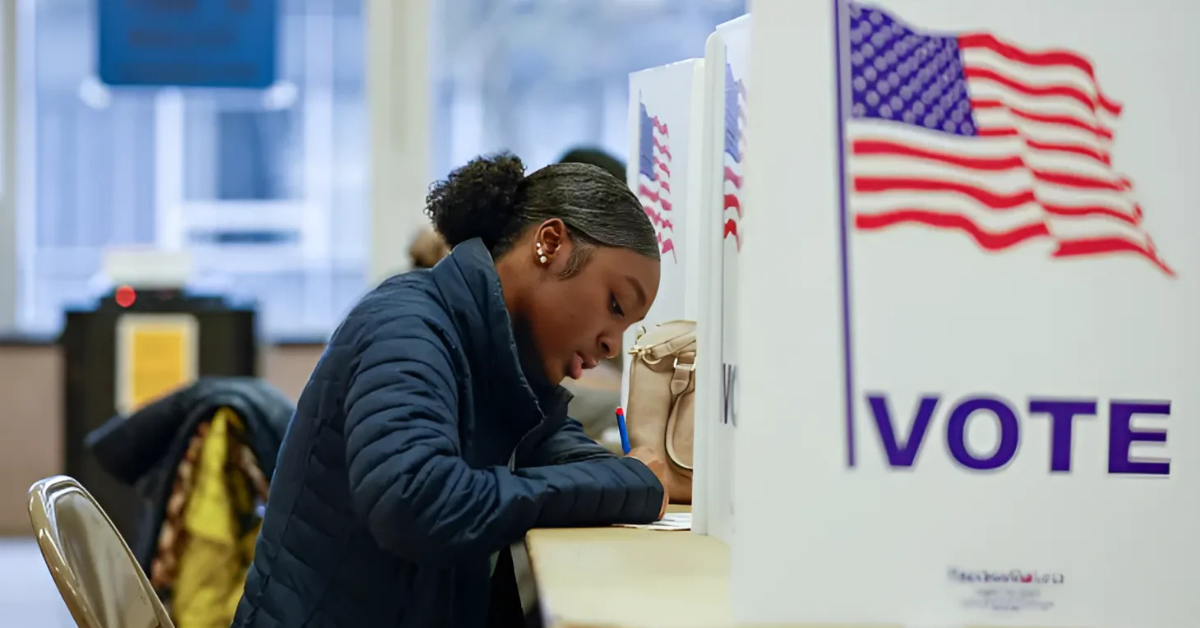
[[662, 103], [981, 227], [666, 117], [726, 61]]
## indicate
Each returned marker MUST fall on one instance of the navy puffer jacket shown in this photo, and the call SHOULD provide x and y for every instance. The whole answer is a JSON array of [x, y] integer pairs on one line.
[[418, 449]]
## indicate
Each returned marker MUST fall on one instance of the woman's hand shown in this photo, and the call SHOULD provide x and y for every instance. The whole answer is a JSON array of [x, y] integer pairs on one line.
[[659, 467]]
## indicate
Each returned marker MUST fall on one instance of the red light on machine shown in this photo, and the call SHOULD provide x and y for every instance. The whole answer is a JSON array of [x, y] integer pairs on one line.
[[125, 296]]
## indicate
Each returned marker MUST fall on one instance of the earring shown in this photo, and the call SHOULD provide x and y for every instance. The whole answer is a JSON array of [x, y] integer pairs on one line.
[[541, 255]]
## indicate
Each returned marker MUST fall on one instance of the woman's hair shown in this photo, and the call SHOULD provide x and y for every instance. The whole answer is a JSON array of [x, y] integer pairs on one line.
[[491, 198]]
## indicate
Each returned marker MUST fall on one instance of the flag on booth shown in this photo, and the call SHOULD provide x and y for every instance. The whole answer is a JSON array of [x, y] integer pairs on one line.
[[969, 133], [654, 178], [735, 126]]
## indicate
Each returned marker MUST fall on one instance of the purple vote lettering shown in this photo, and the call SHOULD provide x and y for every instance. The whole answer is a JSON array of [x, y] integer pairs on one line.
[[956, 433], [902, 450], [1062, 414], [901, 454], [1121, 436]]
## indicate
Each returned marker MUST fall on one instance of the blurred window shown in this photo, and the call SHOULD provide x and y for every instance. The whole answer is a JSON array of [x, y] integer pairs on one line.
[[538, 77], [249, 180]]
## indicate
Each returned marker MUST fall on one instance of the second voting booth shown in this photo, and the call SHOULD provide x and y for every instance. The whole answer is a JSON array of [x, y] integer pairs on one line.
[[666, 113], [687, 146], [727, 65]]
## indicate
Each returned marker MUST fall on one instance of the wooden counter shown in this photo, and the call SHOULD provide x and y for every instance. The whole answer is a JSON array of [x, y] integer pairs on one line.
[[625, 578]]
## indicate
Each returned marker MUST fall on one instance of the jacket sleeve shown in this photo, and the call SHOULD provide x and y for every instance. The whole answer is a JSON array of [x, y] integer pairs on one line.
[[568, 444], [416, 494]]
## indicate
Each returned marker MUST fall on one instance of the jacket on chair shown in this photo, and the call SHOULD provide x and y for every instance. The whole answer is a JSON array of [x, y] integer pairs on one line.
[[145, 448], [418, 449]]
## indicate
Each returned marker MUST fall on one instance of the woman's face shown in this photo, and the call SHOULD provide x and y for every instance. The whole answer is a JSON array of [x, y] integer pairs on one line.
[[576, 322]]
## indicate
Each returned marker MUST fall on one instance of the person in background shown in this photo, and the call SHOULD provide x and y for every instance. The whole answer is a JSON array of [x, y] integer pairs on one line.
[[427, 249], [433, 432], [596, 157]]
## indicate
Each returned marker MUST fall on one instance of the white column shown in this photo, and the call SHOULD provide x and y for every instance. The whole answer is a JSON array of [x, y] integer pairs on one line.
[[398, 93], [9, 261]]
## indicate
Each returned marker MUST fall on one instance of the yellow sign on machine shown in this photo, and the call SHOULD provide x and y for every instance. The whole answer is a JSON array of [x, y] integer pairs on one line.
[[156, 354]]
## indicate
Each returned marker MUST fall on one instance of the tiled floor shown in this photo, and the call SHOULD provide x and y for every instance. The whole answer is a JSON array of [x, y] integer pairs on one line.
[[28, 598]]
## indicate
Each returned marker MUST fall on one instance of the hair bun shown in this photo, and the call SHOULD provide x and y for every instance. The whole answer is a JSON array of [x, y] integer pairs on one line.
[[477, 200]]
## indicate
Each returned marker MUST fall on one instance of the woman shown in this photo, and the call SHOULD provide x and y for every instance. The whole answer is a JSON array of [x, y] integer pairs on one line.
[[433, 432]]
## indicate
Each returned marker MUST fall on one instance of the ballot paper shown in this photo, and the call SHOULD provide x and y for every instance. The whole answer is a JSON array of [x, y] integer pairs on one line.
[[671, 522]]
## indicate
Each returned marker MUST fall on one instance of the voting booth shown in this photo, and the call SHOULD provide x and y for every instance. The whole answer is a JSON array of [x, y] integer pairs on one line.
[[717, 371], [666, 118], [665, 112], [687, 145], [967, 347]]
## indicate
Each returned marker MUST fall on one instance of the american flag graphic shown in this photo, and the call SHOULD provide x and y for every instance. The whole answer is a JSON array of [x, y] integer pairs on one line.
[[735, 146], [654, 178], [969, 133]]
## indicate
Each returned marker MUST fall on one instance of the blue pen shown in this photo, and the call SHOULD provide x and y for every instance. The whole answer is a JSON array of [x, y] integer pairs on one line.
[[624, 430]]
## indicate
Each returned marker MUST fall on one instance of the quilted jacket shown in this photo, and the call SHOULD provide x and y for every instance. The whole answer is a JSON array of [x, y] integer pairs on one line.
[[418, 449]]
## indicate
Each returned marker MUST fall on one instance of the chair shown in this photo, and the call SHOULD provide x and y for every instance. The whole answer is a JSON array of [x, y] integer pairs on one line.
[[96, 574]]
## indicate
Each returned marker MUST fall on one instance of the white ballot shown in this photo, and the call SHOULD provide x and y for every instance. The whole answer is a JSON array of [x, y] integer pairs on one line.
[[671, 522]]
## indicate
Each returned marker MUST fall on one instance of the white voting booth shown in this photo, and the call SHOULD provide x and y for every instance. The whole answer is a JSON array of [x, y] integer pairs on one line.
[[717, 372], [665, 108], [666, 112], [967, 333], [686, 125]]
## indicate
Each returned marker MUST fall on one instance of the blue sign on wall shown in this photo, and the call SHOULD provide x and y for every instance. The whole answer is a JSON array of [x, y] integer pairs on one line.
[[197, 43]]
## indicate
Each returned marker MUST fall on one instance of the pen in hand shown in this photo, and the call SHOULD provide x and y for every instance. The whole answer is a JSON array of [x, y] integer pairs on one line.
[[624, 431]]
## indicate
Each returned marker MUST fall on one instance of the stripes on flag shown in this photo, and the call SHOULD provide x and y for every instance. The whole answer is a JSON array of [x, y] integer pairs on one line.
[[735, 146], [973, 134], [654, 178]]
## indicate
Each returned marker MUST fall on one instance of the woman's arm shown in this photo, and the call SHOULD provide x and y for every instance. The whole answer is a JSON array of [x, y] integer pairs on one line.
[[418, 496], [567, 444]]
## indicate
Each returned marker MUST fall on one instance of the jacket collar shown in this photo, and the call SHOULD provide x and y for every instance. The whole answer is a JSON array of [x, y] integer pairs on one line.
[[470, 285]]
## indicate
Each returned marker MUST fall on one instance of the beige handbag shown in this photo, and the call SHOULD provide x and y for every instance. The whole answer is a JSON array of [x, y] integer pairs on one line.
[[660, 415]]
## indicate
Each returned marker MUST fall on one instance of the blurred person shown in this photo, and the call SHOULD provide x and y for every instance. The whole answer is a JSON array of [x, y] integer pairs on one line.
[[597, 157], [428, 248], [433, 432]]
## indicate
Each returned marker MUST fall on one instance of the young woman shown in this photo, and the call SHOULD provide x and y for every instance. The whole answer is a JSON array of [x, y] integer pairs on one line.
[[433, 432]]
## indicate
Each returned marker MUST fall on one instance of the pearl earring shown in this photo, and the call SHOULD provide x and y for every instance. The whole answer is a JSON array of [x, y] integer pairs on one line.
[[541, 256]]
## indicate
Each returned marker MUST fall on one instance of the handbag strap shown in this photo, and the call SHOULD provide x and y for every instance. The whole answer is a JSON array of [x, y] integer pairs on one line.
[[681, 379]]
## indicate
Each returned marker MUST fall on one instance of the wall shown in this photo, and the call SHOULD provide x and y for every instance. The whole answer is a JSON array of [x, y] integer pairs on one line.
[[31, 414]]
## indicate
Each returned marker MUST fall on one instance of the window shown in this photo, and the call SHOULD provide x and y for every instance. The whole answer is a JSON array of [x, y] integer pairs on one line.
[[538, 77], [267, 188]]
